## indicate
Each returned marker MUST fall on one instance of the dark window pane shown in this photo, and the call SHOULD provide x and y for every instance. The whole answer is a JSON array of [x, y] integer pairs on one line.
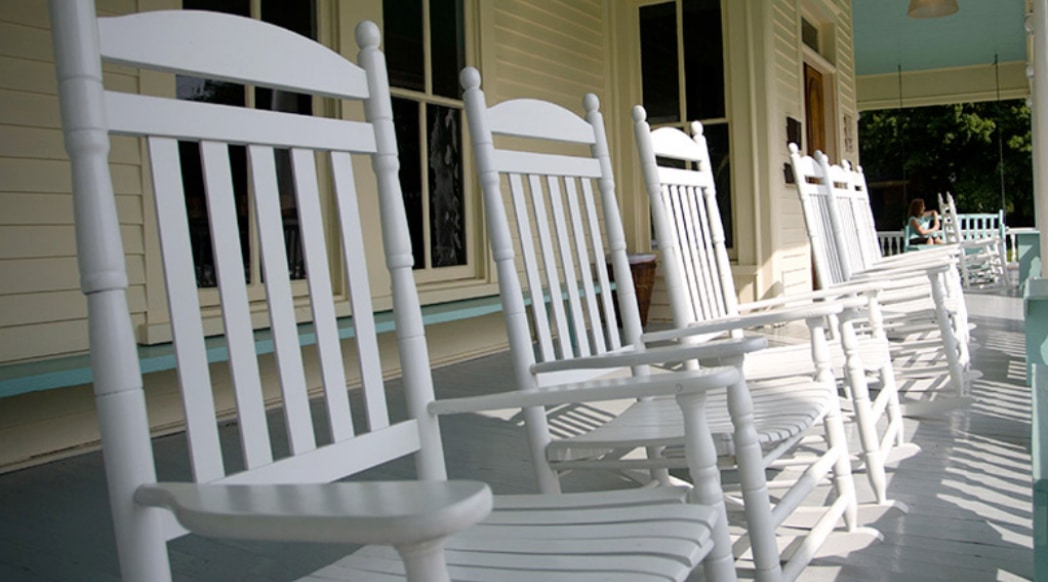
[[239, 7], [446, 198], [448, 46], [718, 141], [405, 58], [300, 17], [703, 60], [194, 89], [196, 209], [407, 124], [658, 55], [809, 35]]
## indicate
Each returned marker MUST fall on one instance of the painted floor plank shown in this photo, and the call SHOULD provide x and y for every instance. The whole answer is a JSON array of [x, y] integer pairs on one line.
[[968, 490]]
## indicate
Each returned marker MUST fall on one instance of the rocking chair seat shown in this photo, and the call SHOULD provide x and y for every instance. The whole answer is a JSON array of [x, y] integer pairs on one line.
[[628, 535], [558, 537], [787, 410]]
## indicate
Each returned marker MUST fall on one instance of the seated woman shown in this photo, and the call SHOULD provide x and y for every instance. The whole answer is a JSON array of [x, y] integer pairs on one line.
[[921, 224]]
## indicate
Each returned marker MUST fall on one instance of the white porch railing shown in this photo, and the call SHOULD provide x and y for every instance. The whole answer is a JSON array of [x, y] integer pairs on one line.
[[892, 243]]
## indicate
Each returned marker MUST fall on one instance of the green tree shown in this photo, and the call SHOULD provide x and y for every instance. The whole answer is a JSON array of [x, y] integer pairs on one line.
[[956, 148]]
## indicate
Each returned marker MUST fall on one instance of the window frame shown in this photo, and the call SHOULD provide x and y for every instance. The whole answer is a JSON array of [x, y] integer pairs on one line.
[[155, 326], [335, 22], [471, 272], [683, 122]]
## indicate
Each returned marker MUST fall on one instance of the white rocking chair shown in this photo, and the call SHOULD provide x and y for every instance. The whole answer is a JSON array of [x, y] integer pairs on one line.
[[983, 260], [440, 529], [701, 290], [549, 199], [921, 297]]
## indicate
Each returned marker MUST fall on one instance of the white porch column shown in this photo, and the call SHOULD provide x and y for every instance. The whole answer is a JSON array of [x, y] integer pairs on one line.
[[1040, 125]]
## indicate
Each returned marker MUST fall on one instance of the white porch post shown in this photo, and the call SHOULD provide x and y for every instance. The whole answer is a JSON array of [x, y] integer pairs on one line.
[[1040, 125]]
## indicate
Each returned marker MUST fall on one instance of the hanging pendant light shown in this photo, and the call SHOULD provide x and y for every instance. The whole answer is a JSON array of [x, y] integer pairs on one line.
[[932, 8]]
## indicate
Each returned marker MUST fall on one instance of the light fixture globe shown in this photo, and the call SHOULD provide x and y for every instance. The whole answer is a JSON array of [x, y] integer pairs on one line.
[[932, 8]]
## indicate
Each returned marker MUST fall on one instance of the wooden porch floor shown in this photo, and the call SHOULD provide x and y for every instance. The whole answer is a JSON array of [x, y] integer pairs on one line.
[[969, 490]]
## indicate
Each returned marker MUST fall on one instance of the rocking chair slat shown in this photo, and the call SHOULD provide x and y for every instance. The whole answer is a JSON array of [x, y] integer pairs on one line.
[[184, 306], [321, 297], [359, 295], [236, 310], [600, 263], [273, 248], [531, 268], [570, 261]]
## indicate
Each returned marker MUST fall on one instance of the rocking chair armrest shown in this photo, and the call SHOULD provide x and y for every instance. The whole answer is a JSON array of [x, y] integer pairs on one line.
[[980, 243], [662, 384], [378, 512], [739, 322], [655, 355], [837, 292], [927, 252], [896, 274], [925, 258]]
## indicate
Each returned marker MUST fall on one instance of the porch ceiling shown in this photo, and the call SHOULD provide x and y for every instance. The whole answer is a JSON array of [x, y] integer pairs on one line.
[[886, 38]]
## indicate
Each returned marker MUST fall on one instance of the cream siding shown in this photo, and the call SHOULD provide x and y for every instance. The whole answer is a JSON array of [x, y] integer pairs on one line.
[[790, 259], [556, 50], [546, 50], [549, 50], [43, 313]]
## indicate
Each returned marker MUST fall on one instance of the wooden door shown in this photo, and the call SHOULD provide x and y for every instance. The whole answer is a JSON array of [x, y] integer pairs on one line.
[[815, 125], [814, 110]]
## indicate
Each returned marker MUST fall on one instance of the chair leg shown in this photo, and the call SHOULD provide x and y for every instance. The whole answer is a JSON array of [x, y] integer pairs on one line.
[[946, 322], [701, 454], [425, 562], [855, 377], [749, 458]]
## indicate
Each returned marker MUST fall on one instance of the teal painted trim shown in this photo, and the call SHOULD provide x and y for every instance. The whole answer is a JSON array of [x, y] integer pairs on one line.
[[1036, 311], [1039, 458], [1029, 244], [75, 370]]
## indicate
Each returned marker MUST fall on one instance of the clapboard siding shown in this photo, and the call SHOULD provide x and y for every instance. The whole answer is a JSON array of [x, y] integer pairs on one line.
[[23, 141], [549, 50], [60, 305], [847, 99], [56, 274], [42, 313], [790, 272], [57, 209]]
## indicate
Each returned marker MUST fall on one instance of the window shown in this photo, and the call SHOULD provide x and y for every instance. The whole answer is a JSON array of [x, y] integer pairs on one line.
[[810, 35], [301, 18], [425, 50], [682, 80]]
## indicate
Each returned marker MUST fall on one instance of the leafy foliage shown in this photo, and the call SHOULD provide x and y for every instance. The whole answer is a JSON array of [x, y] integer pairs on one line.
[[957, 148]]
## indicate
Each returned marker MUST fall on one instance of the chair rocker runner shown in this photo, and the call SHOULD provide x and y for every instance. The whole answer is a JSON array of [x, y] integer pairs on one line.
[[549, 199], [440, 529], [701, 290]]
